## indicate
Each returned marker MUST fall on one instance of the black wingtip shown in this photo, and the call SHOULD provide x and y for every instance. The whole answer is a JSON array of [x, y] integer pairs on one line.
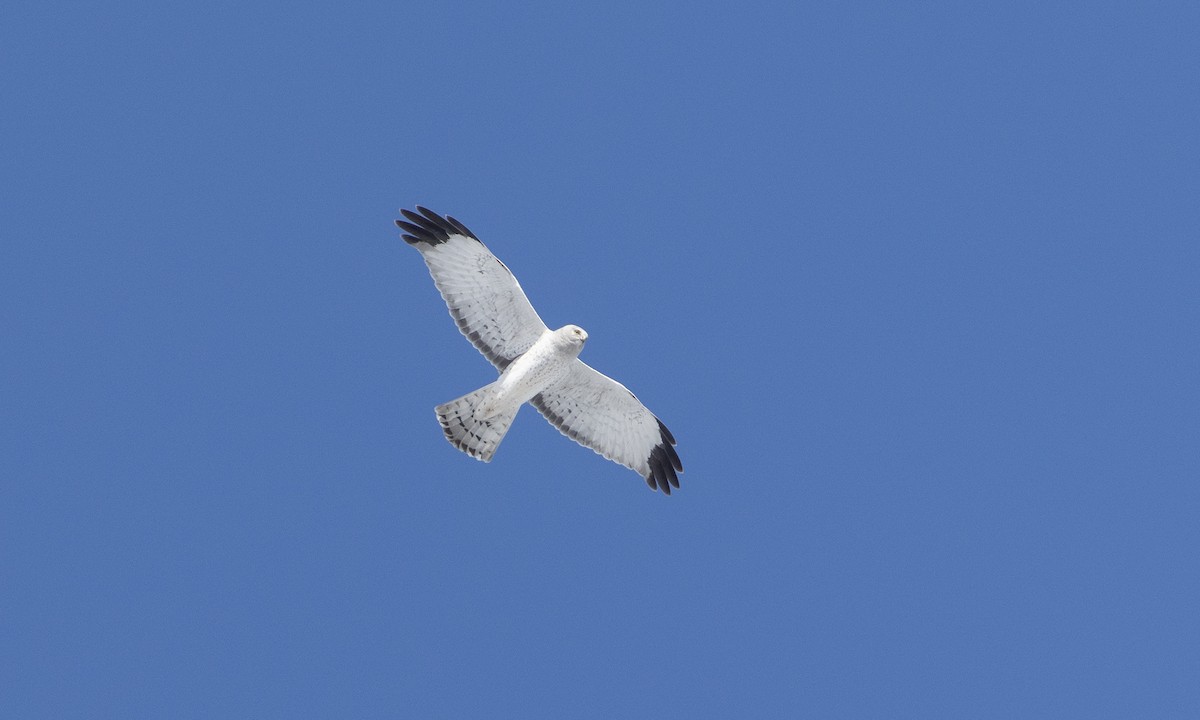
[[658, 476], [412, 234], [426, 226], [666, 434], [660, 455], [664, 462]]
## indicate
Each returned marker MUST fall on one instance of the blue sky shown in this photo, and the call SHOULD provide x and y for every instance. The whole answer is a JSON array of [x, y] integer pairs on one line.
[[915, 287]]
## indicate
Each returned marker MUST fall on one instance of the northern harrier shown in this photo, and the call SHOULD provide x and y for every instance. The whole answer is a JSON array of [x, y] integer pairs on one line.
[[537, 365]]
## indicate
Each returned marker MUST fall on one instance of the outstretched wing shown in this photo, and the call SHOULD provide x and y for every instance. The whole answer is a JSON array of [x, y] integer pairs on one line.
[[483, 296], [600, 413]]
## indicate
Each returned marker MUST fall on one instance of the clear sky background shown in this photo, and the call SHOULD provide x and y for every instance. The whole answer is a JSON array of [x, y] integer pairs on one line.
[[916, 287]]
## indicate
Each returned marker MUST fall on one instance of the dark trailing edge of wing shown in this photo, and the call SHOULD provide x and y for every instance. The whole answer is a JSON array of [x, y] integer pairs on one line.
[[556, 420], [664, 462], [428, 227]]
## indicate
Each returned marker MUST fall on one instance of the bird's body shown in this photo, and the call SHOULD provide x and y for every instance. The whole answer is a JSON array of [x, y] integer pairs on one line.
[[537, 365], [542, 366], [477, 422]]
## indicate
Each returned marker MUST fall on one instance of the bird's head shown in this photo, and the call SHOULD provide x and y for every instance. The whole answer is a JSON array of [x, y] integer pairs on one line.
[[574, 334]]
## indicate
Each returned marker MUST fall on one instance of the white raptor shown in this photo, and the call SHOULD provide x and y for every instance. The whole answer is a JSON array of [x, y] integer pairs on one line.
[[537, 365]]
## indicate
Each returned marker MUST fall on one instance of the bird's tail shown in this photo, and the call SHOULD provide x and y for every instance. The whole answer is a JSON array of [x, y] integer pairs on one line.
[[474, 424]]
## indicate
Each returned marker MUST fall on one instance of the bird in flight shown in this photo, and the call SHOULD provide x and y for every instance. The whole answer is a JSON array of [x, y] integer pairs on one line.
[[537, 365]]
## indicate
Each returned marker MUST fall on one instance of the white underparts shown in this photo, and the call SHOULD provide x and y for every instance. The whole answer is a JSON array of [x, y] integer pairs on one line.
[[477, 422]]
